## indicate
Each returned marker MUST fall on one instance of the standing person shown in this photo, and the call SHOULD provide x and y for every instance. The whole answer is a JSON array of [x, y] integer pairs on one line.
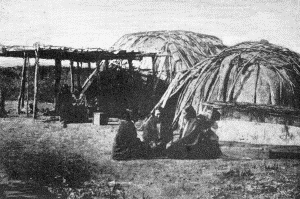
[[65, 106], [126, 143]]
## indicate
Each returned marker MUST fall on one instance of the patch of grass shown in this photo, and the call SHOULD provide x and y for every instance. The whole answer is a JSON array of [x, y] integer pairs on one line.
[[171, 191], [159, 178], [67, 163], [271, 166], [238, 172], [46, 163], [250, 180], [178, 189]]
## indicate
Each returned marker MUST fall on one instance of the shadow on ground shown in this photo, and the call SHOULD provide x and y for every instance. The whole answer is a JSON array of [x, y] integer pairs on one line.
[[20, 190]]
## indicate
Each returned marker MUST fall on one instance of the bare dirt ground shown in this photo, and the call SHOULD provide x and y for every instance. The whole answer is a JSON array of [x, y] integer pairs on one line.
[[243, 171]]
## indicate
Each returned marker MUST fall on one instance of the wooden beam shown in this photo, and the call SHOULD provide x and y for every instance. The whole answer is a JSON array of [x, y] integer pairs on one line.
[[78, 77], [72, 75], [153, 66], [130, 64], [98, 65], [66, 53], [22, 90], [256, 82], [35, 94], [106, 64], [27, 93], [57, 82], [25, 80], [98, 84]]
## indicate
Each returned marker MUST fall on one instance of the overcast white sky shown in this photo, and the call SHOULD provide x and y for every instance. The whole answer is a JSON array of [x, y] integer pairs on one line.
[[99, 23]]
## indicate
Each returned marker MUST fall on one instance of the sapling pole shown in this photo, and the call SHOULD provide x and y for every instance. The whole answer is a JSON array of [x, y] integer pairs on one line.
[[36, 72]]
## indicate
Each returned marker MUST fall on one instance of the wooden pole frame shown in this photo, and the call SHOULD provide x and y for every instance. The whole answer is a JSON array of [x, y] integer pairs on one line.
[[58, 70], [27, 93], [154, 70], [130, 64], [106, 64], [22, 89], [72, 75], [98, 84], [78, 77], [36, 85], [154, 80]]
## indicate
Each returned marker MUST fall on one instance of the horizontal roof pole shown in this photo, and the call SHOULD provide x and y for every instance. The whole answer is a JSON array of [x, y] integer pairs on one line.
[[64, 53]]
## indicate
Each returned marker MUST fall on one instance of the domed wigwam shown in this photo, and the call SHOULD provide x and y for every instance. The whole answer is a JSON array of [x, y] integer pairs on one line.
[[168, 52], [251, 72], [177, 50], [255, 86]]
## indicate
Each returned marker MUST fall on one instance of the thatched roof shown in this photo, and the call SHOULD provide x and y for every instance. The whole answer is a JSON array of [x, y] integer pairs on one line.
[[178, 50], [250, 74]]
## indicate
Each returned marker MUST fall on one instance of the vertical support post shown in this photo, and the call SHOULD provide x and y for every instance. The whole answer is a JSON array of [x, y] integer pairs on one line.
[[25, 79], [98, 65], [22, 90], [256, 82], [36, 72], [27, 95], [89, 65], [57, 82], [98, 84], [130, 64], [78, 77], [153, 65], [106, 64], [154, 81], [72, 75]]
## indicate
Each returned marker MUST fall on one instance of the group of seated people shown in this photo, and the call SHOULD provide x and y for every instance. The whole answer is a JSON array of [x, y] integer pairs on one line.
[[197, 139]]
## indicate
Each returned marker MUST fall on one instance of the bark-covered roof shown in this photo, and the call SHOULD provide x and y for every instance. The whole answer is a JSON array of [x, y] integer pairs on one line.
[[183, 49]]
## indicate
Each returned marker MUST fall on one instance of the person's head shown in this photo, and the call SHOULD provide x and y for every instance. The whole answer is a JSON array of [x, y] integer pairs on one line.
[[65, 88], [214, 114], [157, 113], [127, 114], [189, 113]]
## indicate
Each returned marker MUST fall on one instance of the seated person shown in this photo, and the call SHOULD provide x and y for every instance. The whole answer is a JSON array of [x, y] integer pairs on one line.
[[151, 128], [126, 144], [152, 134], [197, 140], [64, 105]]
